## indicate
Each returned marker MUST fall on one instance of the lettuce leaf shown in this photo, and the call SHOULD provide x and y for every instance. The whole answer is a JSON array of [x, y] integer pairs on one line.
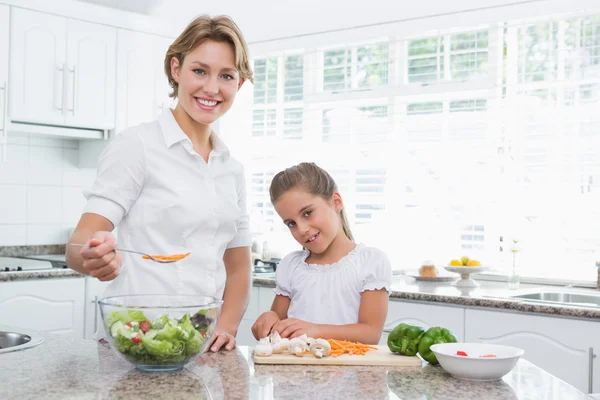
[[125, 317]]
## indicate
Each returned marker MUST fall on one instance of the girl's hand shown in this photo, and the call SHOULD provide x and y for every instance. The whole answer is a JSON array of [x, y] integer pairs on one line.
[[292, 327], [264, 324], [100, 259]]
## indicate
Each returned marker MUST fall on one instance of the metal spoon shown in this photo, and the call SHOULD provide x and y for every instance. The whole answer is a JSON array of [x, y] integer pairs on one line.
[[132, 251]]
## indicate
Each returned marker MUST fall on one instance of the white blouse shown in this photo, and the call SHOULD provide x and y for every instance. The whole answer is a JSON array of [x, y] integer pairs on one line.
[[165, 199], [330, 294]]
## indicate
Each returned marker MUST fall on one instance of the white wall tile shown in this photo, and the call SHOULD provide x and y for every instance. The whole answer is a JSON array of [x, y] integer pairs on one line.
[[70, 144], [44, 205], [14, 170], [13, 235], [19, 139], [72, 204], [45, 141], [45, 165], [44, 234], [66, 232], [41, 188], [13, 204], [72, 174]]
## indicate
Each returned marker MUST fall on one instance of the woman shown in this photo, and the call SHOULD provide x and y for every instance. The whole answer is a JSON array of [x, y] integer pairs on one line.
[[171, 186]]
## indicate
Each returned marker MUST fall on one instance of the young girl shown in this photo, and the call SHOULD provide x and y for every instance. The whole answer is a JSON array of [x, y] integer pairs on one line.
[[333, 288]]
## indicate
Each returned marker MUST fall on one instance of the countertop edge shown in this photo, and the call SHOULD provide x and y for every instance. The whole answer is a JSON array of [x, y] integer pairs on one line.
[[478, 302]]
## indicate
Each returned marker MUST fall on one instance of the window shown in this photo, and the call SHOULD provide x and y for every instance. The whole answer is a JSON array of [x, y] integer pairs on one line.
[[294, 78], [265, 81], [278, 95], [355, 68], [448, 143], [292, 123], [451, 57]]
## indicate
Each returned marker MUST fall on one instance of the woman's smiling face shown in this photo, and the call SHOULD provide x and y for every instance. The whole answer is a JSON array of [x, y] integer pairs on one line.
[[208, 81], [313, 221]]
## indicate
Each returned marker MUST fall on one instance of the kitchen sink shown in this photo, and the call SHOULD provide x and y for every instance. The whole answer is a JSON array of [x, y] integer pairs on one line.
[[15, 341], [562, 297]]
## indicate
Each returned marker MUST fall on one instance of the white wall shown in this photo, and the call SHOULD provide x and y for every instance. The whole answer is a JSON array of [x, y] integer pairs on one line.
[[40, 190]]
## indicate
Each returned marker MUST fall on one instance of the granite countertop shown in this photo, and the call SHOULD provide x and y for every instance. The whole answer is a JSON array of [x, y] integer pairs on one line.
[[489, 294], [62, 368], [39, 274]]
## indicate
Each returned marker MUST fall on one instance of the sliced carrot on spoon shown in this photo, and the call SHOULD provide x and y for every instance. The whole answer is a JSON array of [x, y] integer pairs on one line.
[[173, 257]]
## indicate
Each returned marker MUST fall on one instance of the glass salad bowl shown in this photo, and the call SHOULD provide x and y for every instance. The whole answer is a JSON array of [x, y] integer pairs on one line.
[[159, 332]]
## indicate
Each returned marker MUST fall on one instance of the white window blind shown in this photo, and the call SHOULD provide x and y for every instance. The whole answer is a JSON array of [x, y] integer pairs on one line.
[[449, 143]]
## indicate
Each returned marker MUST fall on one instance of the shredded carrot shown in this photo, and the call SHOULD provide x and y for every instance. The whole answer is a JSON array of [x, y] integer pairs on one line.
[[173, 257], [339, 347]]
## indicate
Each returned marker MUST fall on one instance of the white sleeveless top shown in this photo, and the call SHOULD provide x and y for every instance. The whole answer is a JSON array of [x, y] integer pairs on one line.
[[330, 294]]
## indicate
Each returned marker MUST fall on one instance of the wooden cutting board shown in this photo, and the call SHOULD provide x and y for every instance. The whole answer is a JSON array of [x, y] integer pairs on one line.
[[381, 356]]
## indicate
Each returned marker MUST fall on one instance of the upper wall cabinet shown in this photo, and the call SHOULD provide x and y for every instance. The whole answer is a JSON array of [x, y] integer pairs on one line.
[[62, 71], [4, 18], [142, 87]]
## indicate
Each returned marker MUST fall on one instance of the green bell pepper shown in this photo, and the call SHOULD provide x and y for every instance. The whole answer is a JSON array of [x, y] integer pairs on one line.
[[434, 335], [404, 339]]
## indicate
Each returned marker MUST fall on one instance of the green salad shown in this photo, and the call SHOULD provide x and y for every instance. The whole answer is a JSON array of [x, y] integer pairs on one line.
[[163, 340]]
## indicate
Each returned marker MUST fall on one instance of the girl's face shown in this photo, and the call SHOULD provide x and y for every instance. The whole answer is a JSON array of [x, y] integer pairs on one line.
[[208, 81], [313, 221]]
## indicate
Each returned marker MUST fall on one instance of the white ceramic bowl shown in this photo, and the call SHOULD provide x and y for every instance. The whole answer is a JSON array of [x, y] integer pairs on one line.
[[473, 367]]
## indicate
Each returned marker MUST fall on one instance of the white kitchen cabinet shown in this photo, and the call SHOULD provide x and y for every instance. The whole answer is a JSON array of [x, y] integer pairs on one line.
[[142, 91], [62, 71], [4, 46], [37, 67], [52, 306], [244, 335], [424, 315], [94, 290], [261, 299], [563, 347], [91, 76]]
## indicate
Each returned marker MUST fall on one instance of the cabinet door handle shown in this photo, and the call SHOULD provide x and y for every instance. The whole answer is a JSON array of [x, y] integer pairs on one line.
[[95, 314], [72, 109], [591, 356], [4, 116], [4, 106], [61, 86]]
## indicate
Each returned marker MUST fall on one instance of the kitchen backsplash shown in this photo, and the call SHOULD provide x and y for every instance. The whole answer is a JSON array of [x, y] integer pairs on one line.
[[41, 189]]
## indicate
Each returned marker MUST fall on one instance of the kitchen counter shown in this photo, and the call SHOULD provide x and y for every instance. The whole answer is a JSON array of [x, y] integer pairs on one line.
[[63, 368], [489, 294], [39, 274]]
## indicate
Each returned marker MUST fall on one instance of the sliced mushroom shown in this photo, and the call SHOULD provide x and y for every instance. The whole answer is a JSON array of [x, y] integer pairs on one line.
[[263, 348], [298, 346], [320, 348], [278, 344]]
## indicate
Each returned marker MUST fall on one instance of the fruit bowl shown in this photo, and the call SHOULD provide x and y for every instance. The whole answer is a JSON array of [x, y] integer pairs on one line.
[[159, 332], [465, 272], [477, 365]]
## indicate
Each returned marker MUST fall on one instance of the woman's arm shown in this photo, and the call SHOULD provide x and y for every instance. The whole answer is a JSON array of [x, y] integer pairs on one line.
[[237, 288], [101, 250], [371, 318]]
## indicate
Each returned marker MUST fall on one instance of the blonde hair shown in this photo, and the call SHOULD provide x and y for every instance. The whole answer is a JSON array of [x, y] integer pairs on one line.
[[313, 179], [219, 29]]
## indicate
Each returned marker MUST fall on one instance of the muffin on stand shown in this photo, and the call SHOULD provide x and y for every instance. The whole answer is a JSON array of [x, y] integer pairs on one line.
[[428, 270]]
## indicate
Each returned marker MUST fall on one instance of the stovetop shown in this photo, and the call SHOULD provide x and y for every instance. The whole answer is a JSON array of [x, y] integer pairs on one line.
[[11, 264], [57, 260]]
